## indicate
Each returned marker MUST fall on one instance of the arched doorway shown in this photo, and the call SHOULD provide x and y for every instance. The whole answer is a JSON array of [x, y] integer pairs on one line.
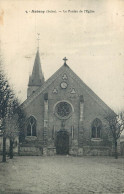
[[62, 142]]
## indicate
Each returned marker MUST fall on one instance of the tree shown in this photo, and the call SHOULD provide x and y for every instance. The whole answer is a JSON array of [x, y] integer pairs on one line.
[[14, 122], [22, 119], [116, 125], [11, 126], [12, 131], [6, 95], [12, 115]]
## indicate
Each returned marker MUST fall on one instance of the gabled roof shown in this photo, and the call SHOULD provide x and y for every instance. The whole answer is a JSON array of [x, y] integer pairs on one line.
[[61, 70], [37, 78]]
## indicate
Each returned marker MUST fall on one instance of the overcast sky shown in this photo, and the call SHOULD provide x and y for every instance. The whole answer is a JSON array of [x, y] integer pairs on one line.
[[92, 42]]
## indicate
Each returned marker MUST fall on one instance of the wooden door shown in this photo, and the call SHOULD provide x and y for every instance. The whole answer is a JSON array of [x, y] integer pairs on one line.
[[62, 142]]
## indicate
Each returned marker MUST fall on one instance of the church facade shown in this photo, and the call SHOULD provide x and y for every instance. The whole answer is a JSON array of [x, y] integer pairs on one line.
[[64, 116]]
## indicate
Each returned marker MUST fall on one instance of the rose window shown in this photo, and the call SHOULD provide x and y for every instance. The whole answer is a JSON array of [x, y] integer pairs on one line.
[[63, 110]]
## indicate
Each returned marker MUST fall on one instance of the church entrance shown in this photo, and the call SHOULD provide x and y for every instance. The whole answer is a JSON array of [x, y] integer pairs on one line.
[[62, 142]]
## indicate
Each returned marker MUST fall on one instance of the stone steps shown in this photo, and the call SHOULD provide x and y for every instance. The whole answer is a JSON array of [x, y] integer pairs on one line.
[[30, 151]]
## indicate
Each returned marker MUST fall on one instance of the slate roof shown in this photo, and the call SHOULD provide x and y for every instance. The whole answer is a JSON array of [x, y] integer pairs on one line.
[[37, 78]]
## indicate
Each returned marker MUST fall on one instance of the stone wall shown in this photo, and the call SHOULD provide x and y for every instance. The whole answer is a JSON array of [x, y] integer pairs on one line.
[[91, 110]]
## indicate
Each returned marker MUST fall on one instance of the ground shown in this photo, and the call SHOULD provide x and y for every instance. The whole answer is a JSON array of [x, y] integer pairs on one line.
[[61, 175]]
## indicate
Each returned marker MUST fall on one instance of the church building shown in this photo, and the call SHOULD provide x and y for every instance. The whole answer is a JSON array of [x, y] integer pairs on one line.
[[64, 116]]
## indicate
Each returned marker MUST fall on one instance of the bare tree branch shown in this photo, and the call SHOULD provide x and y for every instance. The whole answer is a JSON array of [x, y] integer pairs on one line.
[[116, 125]]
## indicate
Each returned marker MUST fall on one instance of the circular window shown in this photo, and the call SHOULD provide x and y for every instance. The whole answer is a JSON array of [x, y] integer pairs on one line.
[[63, 110]]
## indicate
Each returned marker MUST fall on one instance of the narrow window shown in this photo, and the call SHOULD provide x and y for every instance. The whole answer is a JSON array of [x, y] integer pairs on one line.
[[31, 127], [96, 128]]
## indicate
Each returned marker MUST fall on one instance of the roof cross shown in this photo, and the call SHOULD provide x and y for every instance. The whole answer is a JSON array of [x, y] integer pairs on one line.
[[38, 39], [65, 59]]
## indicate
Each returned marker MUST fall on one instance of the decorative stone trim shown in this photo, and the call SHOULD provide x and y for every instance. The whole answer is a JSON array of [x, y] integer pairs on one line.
[[73, 91], [30, 138], [64, 77], [96, 139], [55, 91], [66, 116], [45, 119]]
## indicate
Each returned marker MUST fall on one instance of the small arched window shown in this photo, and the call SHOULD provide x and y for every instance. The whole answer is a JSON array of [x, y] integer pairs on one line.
[[31, 127], [96, 128]]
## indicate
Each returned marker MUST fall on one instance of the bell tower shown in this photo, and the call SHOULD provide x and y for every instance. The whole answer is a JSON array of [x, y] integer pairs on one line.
[[36, 79]]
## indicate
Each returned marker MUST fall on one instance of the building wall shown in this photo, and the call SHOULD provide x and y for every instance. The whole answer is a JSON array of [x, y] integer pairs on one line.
[[92, 110]]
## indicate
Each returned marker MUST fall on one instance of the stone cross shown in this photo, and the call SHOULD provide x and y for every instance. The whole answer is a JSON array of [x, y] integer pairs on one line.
[[65, 59]]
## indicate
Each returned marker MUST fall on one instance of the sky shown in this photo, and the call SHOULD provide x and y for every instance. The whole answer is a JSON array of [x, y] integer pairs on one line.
[[93, 42]]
